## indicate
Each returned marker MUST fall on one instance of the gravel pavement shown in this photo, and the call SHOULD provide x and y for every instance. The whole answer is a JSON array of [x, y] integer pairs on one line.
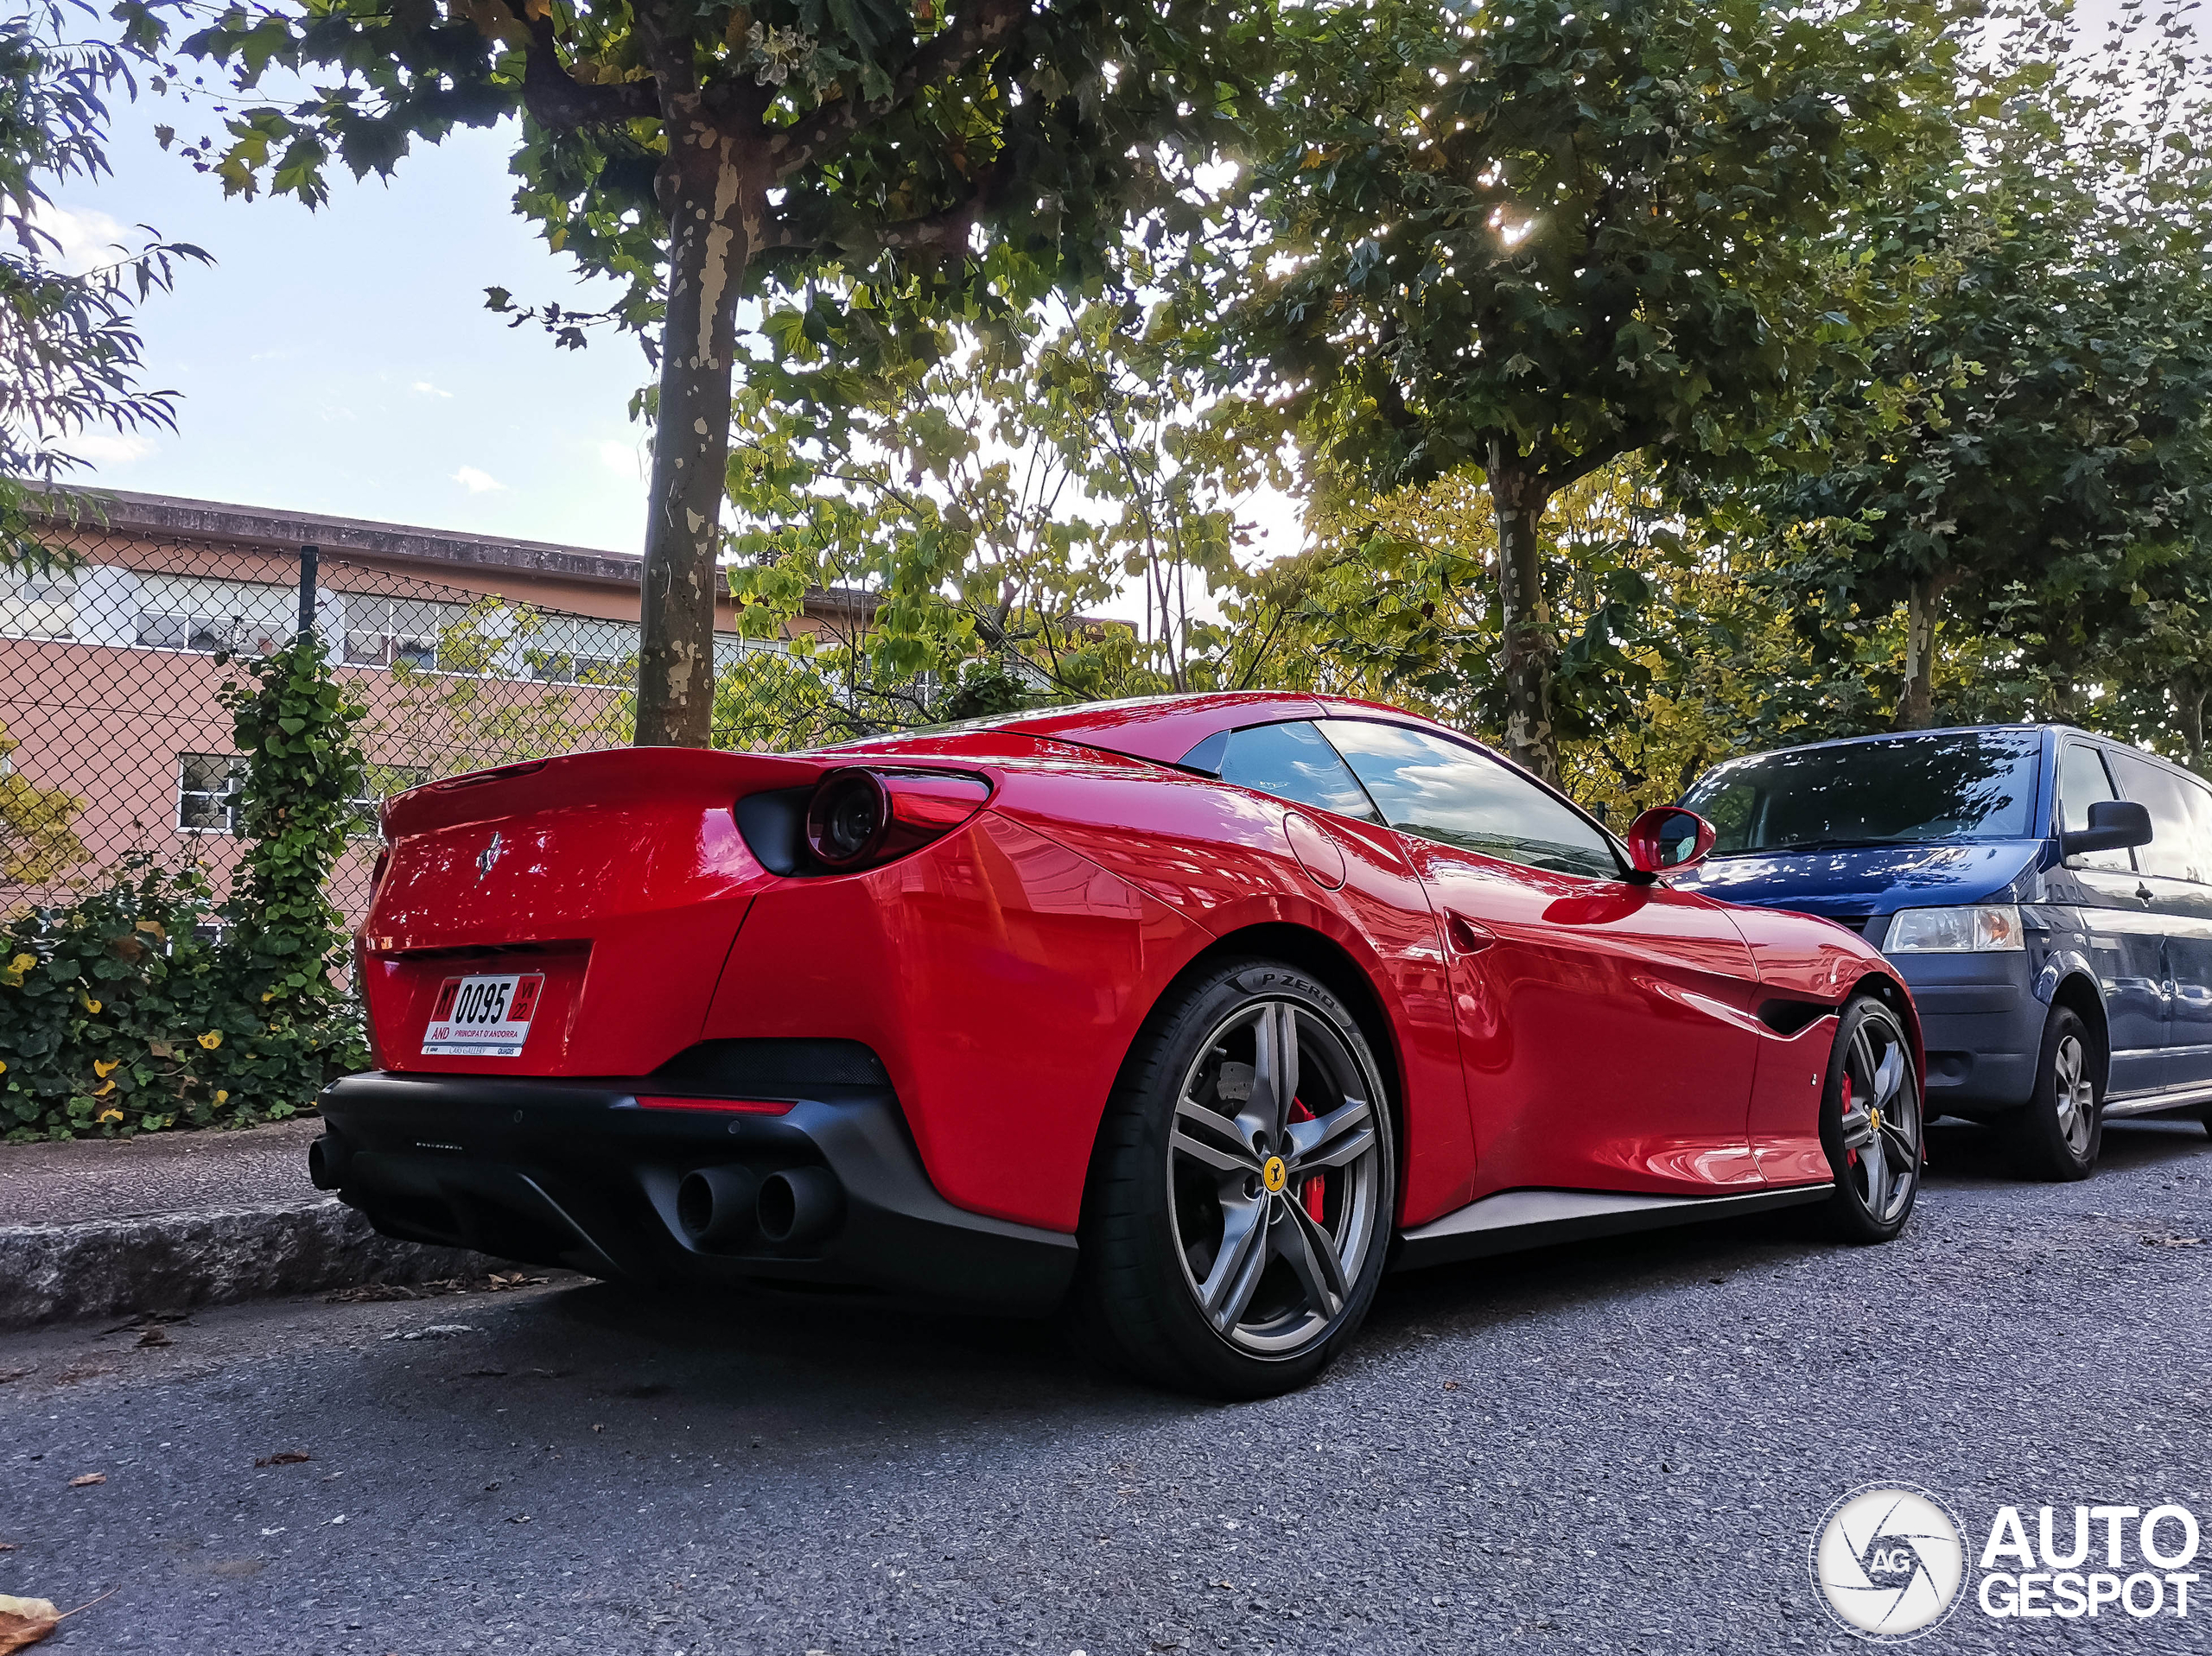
[[1612, 1447]]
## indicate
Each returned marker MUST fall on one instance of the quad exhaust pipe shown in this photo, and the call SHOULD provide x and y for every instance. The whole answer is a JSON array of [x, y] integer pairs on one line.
[[794, 1205]]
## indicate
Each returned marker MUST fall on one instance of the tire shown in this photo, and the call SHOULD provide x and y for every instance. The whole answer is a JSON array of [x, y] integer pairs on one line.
[[1871, 1125], [1202, 1258], [2059, 1133]]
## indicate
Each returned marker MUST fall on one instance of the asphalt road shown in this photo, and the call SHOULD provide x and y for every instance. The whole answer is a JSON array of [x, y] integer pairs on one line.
[[1615, 1447]]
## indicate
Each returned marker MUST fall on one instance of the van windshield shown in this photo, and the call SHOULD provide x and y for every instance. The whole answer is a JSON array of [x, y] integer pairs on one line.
[[1946, 785]]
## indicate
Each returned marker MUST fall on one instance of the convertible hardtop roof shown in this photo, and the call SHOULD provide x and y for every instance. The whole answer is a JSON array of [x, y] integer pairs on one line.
[[1162, 728]]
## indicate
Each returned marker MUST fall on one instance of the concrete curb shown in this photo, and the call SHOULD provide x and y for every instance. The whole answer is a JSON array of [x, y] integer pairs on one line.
[[168, 1261]]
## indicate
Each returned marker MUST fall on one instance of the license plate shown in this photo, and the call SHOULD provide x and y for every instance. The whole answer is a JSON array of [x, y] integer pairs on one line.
[[483, 1017]]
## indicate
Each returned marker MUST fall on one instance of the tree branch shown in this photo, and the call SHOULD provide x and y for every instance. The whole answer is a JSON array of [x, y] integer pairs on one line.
[[557, 100], [980, 26]]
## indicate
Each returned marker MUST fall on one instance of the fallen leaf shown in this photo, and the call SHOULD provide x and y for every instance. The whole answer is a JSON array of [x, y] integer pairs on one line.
[[25, 1622], [155, 1337], [82, 1479], [1451, 1386], [6, 1546], [7, 1374], [284, 1458], [523, 1518], [599, 1428]]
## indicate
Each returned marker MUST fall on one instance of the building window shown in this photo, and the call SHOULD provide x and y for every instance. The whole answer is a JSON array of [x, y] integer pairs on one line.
[[34, 605], [384, 781], [394, 632], [208, 790]]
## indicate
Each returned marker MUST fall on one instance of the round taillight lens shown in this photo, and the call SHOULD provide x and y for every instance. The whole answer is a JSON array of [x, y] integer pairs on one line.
[[846, 819]]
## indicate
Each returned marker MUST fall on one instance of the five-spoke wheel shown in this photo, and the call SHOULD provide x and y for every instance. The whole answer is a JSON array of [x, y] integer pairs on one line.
[[1242, 1199], [1872, 1123]]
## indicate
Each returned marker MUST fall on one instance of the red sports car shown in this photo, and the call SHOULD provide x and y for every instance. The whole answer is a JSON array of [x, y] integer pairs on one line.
[[1187, 1018]]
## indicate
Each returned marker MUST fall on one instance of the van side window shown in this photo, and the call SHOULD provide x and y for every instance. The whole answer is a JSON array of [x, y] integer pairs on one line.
[[2173, 849], [2082, 783]]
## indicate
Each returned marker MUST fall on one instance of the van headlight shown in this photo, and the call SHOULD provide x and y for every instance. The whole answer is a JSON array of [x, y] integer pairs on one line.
[[1978, 929]]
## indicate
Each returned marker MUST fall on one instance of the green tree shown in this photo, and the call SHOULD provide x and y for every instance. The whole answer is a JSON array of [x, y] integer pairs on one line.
[[1540, 239], [2040, 477], [70, 354], [705, 150], [979, 493]]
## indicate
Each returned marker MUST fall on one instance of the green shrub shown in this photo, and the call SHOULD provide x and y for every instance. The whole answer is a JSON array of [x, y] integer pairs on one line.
[[145, 1004]]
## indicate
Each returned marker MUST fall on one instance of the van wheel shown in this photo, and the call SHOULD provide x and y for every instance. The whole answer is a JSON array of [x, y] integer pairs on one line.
[[2059, 1133], [1871, 1124], [1241, 1195]]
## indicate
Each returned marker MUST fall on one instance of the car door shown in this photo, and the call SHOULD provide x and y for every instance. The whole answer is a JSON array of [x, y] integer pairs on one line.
[[1607, 1027], [2173, 872], [2125, 938]]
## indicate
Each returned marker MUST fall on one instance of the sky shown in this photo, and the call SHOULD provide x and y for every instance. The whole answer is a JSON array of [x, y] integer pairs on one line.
[[342, 361]]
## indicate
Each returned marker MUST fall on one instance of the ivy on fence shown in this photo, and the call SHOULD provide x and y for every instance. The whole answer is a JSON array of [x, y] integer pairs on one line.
[[146, 1003]]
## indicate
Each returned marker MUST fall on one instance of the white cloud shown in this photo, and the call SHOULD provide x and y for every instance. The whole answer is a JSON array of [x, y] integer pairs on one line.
[[477, 482], [109, 448], [424, 388], [85, 238], [622, 458]]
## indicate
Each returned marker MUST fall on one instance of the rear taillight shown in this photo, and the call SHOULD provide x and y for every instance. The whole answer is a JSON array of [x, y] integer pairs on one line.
[[859, 818], [376, 874]]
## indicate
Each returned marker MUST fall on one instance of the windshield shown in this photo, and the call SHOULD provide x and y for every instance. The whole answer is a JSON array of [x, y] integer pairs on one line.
[[1954, 784]]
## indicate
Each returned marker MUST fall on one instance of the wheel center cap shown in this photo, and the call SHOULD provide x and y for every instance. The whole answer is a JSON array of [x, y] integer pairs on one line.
[[1274, 1174], [1877, 1115]]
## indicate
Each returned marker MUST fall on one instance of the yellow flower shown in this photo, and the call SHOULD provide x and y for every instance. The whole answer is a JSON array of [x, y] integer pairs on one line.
[[211, 1039], [103, 1090], [87, 1002], [14, 972], [3, 1067], [222, 1097], [109, 1114], [270, 996], [105, 1067]]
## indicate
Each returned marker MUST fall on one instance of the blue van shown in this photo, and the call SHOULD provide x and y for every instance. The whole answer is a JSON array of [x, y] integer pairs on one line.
[[2046, 892]]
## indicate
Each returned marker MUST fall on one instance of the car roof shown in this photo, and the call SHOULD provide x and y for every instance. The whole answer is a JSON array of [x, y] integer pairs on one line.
[[2039, 729], [1163, 727]]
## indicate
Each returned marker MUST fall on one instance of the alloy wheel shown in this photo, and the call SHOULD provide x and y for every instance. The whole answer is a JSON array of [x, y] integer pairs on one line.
[[1881, 1119], [2075, 1092], [1273, 1169]]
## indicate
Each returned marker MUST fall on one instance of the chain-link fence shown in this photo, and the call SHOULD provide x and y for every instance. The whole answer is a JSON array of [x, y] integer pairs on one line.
[[114, 739]]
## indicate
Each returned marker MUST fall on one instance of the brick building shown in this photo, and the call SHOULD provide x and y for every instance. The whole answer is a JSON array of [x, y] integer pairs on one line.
[[468, 651]]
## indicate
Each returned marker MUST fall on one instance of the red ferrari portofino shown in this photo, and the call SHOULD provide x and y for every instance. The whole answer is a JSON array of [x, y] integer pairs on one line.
[[1187, 1018]]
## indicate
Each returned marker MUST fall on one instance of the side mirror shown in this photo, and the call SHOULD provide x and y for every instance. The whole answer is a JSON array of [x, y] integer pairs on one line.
[[2114, 825], [1666, 838]]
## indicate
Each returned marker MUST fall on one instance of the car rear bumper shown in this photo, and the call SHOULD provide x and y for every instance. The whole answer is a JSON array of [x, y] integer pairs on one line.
[[1981, 1025], [578, 1174]]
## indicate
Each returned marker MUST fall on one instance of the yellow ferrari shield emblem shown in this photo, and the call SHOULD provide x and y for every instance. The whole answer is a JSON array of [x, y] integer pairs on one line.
[[1274, 1174]]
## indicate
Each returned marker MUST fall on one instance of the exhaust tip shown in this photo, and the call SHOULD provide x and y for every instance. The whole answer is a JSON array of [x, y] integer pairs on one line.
[[327, 1162], [799, 1204], [715, 1203]]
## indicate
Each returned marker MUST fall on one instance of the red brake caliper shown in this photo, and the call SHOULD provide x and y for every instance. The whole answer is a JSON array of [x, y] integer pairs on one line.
[[1311, 1193]]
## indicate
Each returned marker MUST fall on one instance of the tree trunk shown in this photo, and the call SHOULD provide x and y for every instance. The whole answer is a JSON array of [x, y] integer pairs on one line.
[[1917, 711], [1526, 652], [715, 211]]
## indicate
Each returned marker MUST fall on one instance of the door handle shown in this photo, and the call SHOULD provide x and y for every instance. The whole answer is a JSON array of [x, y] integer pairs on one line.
[[1467, 936]]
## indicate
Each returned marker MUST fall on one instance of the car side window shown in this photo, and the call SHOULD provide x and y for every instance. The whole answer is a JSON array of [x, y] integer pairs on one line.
[[2172, 850], [1293, 762], [2082, 783], [1438, 790]]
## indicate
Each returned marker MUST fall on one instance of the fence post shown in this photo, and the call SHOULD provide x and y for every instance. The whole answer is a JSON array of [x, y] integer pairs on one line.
[[309, 558]]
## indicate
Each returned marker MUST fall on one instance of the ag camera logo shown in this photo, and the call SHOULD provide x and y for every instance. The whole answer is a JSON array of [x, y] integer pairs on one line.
[[1888, 1561]]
